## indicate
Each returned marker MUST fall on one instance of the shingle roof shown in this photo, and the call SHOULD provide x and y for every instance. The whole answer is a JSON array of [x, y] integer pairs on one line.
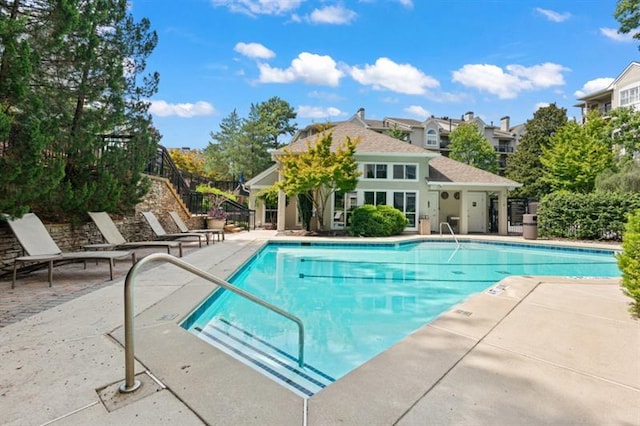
[[408, 121], [443, 169], [370, 141]]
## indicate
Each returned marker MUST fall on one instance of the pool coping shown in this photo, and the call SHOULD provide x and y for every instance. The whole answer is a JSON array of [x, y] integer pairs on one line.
[[382, 391], [567, 353]]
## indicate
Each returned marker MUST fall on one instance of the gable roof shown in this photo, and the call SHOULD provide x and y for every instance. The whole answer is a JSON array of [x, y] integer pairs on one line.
[[445, 170], [606, 92], [370, 142]]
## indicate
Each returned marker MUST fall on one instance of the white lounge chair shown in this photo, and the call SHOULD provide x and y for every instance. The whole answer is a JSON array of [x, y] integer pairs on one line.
[[157, 229], [114, 238], [210, 233], [41, 248]]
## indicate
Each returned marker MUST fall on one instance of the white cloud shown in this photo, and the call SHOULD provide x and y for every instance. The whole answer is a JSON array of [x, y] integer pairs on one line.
[[553, 16], [305, 111], [259, 7], [400, 78], [307, 67], [613, 34], [593, 86], [186, 110], [254, 50], [336, 15], [508, 83], [418, 111], [542, 105]]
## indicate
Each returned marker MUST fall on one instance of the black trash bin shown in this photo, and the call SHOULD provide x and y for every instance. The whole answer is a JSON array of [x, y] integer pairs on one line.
[[530, 226]]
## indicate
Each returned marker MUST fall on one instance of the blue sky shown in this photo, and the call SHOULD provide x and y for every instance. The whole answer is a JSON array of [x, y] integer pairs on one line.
[[395, 58]]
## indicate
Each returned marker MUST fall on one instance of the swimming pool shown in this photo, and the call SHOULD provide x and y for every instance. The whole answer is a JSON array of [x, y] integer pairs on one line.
[[357, 300]]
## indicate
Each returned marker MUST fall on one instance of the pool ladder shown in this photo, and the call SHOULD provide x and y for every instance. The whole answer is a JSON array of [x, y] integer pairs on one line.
[[131, 384], [447, 225]]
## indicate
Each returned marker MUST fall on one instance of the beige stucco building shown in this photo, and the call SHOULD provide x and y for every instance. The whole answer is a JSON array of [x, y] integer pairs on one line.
[[624, 91], [421, 183]]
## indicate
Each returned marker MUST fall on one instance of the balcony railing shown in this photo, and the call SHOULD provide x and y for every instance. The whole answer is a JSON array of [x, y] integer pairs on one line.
[[504, 149]]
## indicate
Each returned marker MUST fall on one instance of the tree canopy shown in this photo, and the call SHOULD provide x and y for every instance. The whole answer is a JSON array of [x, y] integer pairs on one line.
[[244, 145], [75, 97], [627, 13], [319, 172], [524, 165], [576, 155], [469, 146]]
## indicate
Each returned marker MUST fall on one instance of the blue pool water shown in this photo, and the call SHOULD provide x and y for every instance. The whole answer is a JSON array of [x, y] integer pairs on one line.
[[358, 300]]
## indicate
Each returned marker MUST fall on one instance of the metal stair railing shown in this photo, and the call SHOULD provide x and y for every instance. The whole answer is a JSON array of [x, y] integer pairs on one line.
[[131, 384], [450, 230]]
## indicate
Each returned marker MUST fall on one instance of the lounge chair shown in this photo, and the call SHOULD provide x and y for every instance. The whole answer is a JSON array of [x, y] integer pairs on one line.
[[41, 248], [210, 233], [161, 234], [114, 238]]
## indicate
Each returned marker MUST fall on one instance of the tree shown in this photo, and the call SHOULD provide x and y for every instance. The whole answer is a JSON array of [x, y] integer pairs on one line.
[[274, 116], [397, 133], [624, 178], [469, 146], [219, 153], [84, 61], [244, 145], [319, 172], [524, 165], [189, 160], [627, 13], [576, 155], [26, 172]]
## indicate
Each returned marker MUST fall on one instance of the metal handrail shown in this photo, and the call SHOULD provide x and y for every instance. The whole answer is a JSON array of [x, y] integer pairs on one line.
[[450, 230], [131, 384]]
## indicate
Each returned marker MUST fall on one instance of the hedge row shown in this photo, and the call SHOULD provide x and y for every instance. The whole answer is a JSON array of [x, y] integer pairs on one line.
[[629, 262], [593, 216]]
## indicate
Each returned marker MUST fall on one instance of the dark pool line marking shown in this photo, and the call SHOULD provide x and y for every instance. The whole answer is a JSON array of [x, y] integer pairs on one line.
[[356, 277], [382, 262]]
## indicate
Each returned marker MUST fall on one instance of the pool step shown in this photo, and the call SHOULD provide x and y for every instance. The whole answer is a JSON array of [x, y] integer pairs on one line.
[[258, 354]]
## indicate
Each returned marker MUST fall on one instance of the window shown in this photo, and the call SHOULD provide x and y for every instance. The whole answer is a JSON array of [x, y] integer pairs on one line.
[[404, 171], [375, 198], [406, 202], [432, 138], [630, 96], [375, 171], [342, 208]]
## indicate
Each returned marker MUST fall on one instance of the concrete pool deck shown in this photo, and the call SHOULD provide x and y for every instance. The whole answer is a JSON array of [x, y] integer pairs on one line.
[[544, 350]]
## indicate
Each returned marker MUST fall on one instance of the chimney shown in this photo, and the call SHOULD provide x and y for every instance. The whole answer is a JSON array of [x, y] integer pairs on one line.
[[360, 113], [468, 116], [504, 123]]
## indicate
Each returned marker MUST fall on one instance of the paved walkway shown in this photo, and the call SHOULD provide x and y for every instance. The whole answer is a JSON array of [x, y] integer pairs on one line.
[[32, 293], [544, 351]]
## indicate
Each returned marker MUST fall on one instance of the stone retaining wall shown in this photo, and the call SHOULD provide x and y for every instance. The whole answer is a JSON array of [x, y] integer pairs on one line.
[[160, 200]]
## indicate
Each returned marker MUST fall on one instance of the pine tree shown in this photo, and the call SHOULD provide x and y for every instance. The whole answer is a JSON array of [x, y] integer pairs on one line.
[[524, 165]]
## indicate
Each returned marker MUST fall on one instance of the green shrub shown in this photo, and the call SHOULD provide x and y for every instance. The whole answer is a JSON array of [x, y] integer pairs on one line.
[[629, 261], [594, 216], [377, 221]]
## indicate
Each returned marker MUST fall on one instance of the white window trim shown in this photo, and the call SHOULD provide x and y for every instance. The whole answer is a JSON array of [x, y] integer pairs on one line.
[[626, 88], [389, 177], [389, 192], [426, 139]]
